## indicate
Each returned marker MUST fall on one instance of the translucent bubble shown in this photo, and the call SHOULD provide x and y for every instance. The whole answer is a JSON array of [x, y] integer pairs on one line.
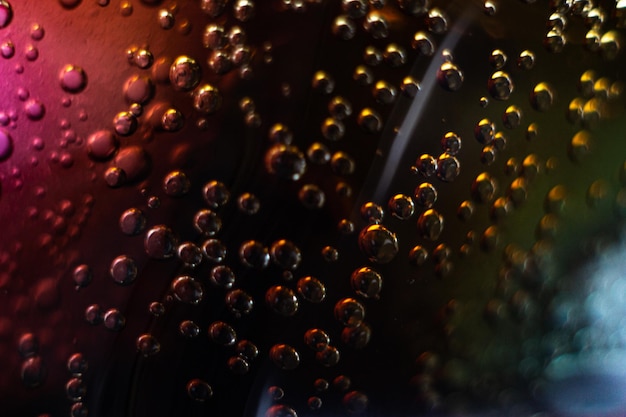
[[189, 253], [166, 19], [280, 133], [7, 48], [333, 129], [425, 195], [213, 8], [323, 82], [35, 110], [355, 8], [329, 356], [282, 300], [243, 10], [28, 345], [247, 349], [349, 312], [366, 282], [370, 121], [542, 97], [451, 143], [207, 99], [285, 254], [592, 40], [132, 222], [357, 337], [518, 191], [426, 165], [580, 146], [189, 329], [73, 78], [363, 75], [418, 255], [384, 92], [138, 89], [6, 144], [160, 242], [314, 403], [526, 60], [423, 43], [101, 145], [142, 58], [512, 117], [6, 13], [93, 314], [448, 167], [214, 250], [148, 345], [222, 334], [343, 28], [430, 224], [187, 290], [311, 289], [450, 76], [176, 184], [410, 86], [378, 244], [339, 108], [280, 410], [239, 302], [285, 357], [156, 308], [610, 45], [355, 402], [199, 390], [286, 162], [114, 320], [185, 73], [125, 123], [401, 206], [316, 339], [77, 364], [554, 41], [207, 222], [33, 371], [483, 188], [172, 120], [555, 199], [500, 85], [376, 25], [484, 131], [123, 270], [82, 276], [311, 196], [238, 365]]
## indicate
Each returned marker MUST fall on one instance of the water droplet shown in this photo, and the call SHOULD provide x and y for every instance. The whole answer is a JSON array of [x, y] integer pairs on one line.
[[77, 364], [6, 13], [123, 270], [448, 167], [73, 78], [526, 60], [166, 19], [450, 76], [483, 188], [207, 222], [214, 250], [190, 254], [286, 358], [239, 302], [378, 243], [132, 222], [34, 109], [187, 290], [207, 99], [101, 145], [93, 314]]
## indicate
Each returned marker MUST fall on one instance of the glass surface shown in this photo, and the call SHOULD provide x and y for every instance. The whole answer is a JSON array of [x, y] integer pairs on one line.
[[312, 208]]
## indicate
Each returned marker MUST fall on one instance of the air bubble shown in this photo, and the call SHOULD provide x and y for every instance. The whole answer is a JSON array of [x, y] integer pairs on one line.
[[254, 255], [73, 79], [282, 300], [185, 73], [450, 76], [311, 289], [286, 358], [378, 244], [132, 222], [207, 222], [187, 290], [239, 302], [401, 206], [366, 282], [222, 333], [148, 345], [430, 224], [425, 195], [197, 389], [160, 242], [285, 254], [123, 270], [349, 312], [6, 144], [448, 167], [102, 145], [176, 184], [542, 97], [286, 162], [114, 320], [500, 85], [82, 276]]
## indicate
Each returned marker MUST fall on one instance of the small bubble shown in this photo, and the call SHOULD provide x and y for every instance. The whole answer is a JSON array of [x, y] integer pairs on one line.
[[355, 402], [343, 28], [214, 250], [512, 117], [328, 357], [207, 222], [82, 276], [199, 390], [497, 59], [123, 270], [176, 184], [430, 224], [366, 282], [160, 242], [187, 290], [77, 364], [185, 73], [102, 145], [450, 76], [125, 123], [312, 197], [73, 78], [156, 308], [34, 109], [286, 358], [484, 131], [349, 312], [378, 244], [542, 97], [285, 254], [138, 89], [114, 320], [323, 82], [189, 329], [93, 314], [254, 255], [425, 195], [248, 204], [222, 334], [287, 162], [332, 129], [311, 289], [6, 144], [580, 146], [370, 121], [448, 167], [401, 206], [166, 19], [500, 85], [33, 371], [423, 43], [376, 25], [418, 255], [239, 302], [410, 86], [7, 48], [526, 60], [132, 222], [147, 345], [282, 300], [363, 75], [316, 339]]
